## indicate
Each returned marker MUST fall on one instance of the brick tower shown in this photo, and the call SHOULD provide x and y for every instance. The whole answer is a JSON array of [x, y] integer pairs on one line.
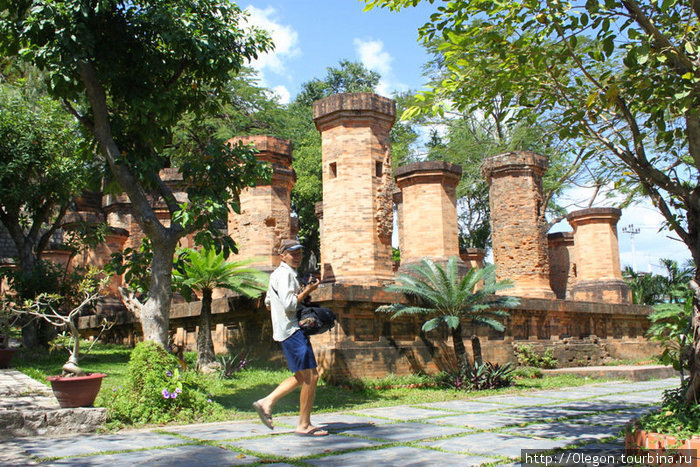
[[357, 188], [598, 274], [429, 212], [562, 274], [518, 227], [265, 209]]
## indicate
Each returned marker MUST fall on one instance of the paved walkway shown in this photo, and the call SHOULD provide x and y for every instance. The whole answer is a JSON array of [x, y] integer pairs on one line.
[[470, 431]]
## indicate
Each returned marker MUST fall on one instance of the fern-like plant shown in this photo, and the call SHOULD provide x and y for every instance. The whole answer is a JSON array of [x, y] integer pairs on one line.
[[448, 299], [204, 271]]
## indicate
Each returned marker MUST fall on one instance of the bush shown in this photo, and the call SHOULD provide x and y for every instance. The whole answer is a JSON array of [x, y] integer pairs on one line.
[[485, 376], [157, 391], [675, 417], [528, 357]]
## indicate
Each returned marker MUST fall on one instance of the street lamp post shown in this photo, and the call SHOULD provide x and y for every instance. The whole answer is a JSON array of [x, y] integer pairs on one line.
[[632, 231]]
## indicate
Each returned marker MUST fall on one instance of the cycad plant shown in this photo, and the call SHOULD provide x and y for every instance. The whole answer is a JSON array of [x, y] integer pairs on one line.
[[204, 271], [448, 299]]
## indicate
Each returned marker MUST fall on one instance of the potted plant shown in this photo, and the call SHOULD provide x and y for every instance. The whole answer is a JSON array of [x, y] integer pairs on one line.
[[73, 387]]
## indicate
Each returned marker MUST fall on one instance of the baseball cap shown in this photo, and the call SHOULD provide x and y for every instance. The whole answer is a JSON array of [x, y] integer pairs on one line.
[[289, 245]]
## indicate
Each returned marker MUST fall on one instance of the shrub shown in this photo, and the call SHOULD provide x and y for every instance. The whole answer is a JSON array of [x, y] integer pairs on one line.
[[231, 364], [157, 391], [485, 376], [675, 417], [528, 357]]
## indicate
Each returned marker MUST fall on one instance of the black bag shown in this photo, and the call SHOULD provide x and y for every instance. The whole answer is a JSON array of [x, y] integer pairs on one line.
[[314, 320]]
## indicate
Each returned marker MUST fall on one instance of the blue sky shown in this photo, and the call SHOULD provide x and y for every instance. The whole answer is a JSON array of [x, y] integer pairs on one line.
[[311, 35]]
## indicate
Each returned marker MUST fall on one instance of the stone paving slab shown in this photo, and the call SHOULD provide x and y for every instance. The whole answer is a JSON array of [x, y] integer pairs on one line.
[[332, 421], [292, 446], [399, 456], [181, 456], [519, 401], [609, 418], [595, 405], [479, 421], [224, 431], [403, 432], [566, 430], [552, 412], [640, 398], [494, 444], [404, 413], [81, 445], [463, 406]]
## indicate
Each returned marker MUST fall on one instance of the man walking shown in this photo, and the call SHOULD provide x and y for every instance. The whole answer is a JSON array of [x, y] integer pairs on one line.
[[283, 294]]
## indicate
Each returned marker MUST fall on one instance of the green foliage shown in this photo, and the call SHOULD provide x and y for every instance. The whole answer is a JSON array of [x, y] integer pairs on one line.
[[528, 357], [670, 326], [650, 289], [155, 391], [675, 417], [207, 270], [441, 292], [478, 377], [231, 364], [617, 82]]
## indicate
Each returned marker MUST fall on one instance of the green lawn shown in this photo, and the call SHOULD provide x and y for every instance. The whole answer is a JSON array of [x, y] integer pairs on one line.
[[236, 395]]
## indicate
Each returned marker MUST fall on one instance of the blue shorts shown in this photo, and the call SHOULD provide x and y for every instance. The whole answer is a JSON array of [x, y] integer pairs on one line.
[[297, 349]]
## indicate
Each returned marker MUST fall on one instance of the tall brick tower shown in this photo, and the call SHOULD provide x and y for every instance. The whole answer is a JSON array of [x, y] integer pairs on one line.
[[518, 227], [429, 211], [265, 220], [598, 274], [357, 188]]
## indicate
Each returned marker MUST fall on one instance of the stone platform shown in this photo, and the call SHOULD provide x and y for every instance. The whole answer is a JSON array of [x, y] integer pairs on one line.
[[28, 408]]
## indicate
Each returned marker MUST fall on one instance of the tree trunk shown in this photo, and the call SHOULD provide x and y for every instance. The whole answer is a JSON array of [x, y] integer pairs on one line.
[[460, 350], [693, 242], [691, 395], [155, 314], [205, 346], [476, 350]]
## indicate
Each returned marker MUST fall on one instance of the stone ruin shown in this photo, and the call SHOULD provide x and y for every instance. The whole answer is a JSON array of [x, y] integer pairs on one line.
[[573, 298]]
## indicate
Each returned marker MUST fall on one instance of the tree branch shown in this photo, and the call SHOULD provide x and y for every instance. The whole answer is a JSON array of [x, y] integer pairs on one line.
[[102, 131]]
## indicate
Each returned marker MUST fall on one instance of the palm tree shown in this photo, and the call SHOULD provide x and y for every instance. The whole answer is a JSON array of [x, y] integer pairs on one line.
[[206, 270], [647, 289], [449, 299], [677, 279]]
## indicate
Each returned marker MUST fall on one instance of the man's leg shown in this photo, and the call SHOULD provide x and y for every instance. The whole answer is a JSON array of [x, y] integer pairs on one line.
[[309, 379], [284, 388]]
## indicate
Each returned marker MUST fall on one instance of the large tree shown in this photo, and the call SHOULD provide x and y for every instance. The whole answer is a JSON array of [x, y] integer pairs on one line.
[[129, 71], [43, 166], [620, 78]]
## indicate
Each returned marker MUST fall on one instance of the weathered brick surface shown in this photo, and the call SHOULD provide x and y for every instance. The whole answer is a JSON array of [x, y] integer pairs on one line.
[[518, 226], [429, 211], [357, 204], [562, 274], [598, 274], [264, 220]]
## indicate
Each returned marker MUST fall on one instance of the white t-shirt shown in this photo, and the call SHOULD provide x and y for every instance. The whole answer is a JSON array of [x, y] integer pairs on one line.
[[281, 297]]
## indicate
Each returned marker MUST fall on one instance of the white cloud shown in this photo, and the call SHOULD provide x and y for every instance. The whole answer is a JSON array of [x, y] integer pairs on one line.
[[282, 94], [373, 56], [284, 37]]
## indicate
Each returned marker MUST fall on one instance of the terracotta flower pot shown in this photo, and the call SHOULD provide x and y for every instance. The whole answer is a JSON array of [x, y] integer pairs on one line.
[[639, 442], [76, 391], [6, 357]]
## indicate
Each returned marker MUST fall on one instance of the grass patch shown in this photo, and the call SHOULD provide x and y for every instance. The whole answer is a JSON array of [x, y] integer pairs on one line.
[[236, 395]]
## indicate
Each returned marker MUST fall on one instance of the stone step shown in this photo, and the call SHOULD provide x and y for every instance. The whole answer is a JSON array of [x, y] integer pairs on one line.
[[631, 372], [28, 408], [24, 422]]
